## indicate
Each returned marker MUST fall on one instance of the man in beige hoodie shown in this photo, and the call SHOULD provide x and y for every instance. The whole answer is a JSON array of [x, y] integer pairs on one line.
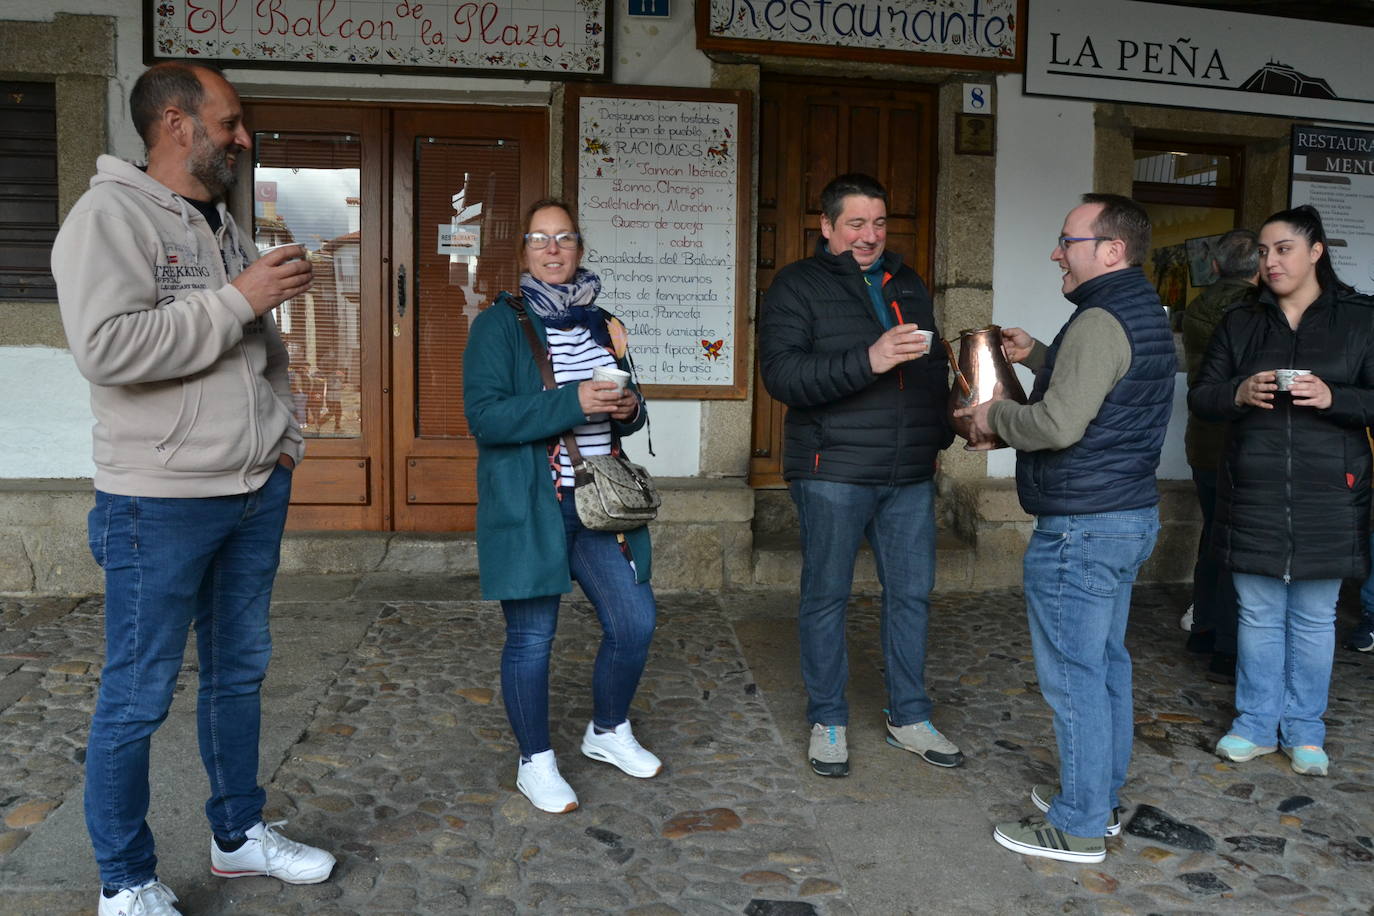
[[166, 310]]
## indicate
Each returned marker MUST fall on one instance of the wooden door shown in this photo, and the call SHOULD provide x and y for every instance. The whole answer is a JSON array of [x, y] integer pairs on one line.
[[478, 169], [318, 180], [375, 193], [808, 134]]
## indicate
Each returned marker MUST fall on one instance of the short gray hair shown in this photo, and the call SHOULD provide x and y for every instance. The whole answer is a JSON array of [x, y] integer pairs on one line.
[[172, 82], [1237, 254]]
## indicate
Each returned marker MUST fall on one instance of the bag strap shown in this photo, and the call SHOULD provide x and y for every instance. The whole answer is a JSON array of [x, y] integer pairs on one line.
[[541, 359]]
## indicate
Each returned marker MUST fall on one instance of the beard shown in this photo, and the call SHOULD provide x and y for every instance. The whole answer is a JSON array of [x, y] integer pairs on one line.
[[209, 164]]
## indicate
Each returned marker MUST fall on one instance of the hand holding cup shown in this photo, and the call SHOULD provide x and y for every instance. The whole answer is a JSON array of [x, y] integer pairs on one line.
[[899, 344]]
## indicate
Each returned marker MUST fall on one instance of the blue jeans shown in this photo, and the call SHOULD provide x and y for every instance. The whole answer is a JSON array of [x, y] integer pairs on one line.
[[899, 523], [170, 563], [1214, 596], [627, 613], [1079, 571], [1283, 672]]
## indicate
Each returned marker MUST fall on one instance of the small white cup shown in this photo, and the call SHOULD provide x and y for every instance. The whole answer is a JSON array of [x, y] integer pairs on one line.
[[263, 251], [1284, 377], [928, 335], [610, 374]]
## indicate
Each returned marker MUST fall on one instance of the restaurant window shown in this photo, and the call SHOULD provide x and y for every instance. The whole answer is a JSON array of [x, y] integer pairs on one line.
[[28, 189], [1192, 192]]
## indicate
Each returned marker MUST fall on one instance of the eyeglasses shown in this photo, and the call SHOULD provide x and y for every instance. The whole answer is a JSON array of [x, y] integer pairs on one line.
[[541, 240], [1066, 240]]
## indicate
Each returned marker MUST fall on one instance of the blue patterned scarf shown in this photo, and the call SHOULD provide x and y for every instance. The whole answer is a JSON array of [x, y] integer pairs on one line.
[[566, 306]]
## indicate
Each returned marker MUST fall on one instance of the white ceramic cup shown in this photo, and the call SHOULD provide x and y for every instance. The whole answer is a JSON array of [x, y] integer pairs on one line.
[[1284, 377], [928, 335], [610, 374]]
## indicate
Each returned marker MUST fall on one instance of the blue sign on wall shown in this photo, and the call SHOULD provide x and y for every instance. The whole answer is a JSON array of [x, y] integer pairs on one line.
[[649, 8]]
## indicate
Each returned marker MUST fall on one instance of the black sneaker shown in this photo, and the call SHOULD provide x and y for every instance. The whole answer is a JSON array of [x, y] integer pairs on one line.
[[1361, 639], [1202, 642]]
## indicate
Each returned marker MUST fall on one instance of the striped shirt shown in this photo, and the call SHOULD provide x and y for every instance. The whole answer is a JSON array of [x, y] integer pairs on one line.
[[574, 355]]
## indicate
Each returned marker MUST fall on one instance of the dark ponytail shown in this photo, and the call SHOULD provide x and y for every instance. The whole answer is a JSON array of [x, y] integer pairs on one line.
[[1307, 222]]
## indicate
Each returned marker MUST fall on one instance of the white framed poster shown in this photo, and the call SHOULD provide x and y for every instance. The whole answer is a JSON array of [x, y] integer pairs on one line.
[[662, 197], [536, 39]]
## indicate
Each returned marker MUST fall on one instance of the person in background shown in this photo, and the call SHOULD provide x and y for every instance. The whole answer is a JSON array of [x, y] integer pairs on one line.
[[530, 542], [1361, 638], [866, 420], [167, 314], [1292, 516], [1213, 630]]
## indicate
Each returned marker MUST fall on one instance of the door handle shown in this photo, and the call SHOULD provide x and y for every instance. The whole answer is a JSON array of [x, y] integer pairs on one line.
[[401, 292]]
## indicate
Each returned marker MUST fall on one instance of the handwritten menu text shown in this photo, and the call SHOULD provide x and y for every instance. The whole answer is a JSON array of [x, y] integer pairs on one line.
[[657, 185]]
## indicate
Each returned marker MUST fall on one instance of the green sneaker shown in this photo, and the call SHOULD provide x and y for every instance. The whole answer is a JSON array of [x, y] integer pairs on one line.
[[1044, 793], [1034, 836], [828, 752]]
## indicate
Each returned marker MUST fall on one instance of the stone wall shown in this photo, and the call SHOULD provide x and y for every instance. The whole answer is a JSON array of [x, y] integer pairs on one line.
[[710, 535]]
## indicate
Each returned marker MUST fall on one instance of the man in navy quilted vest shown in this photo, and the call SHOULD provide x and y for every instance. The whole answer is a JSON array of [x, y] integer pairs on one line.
[[1087, 445]]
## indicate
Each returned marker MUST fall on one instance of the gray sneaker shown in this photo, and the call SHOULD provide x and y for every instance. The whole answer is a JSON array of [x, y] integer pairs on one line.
[[1033, 836], [1044, 793], [922, 739], [829, 754]]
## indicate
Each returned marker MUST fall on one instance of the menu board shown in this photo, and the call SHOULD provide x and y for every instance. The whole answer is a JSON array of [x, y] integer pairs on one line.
[[1333, 170], [659, 187]]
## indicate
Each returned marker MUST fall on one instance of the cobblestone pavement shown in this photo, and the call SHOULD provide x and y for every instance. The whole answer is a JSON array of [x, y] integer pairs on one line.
[[404, 766]]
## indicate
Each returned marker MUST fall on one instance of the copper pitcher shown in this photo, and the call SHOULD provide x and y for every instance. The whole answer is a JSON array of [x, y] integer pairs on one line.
[[978, 369]]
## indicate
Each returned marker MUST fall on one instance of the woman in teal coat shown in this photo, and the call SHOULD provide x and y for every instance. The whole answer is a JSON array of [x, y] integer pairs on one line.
[[530, 543]]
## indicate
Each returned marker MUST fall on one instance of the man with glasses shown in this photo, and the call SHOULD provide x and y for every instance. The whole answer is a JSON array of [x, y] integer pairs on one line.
[[166, 310], [1088, 443], [866, 420]]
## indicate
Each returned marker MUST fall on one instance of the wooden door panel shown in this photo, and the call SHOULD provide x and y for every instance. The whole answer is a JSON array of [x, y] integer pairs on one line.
[[318, 174], [810, 133], [478, 168]]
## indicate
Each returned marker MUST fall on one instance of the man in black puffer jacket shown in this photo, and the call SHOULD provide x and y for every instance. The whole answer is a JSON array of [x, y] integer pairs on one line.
[[866, 419]]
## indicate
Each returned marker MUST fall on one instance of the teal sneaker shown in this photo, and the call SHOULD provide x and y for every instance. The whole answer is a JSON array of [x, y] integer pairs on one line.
[[1034, 836], [1308, 760], [923, 740], [828, 752], [1044, 793], [1237, 749]]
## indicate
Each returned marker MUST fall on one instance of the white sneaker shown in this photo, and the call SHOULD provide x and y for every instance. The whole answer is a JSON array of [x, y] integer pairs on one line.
[[267, 852], [538, 780], [1185, 623], [620, 748], [151, 899]]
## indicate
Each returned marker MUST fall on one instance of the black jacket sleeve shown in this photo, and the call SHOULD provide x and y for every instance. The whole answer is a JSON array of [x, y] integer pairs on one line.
[[793, 372]]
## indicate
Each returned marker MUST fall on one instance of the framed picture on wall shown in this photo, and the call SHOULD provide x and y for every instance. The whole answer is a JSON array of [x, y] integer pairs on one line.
[[1200, 253], [1171, 275]]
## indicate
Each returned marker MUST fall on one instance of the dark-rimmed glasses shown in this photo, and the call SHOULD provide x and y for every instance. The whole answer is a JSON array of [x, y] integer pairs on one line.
[[563, 239], [1066, 240]]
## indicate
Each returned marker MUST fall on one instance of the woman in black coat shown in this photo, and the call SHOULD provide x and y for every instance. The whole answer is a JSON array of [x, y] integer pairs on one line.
[[1292, 515]]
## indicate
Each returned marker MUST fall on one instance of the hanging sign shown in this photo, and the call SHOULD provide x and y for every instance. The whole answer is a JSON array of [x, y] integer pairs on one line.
[[550, 39], [1162, 54], [968, 34]]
